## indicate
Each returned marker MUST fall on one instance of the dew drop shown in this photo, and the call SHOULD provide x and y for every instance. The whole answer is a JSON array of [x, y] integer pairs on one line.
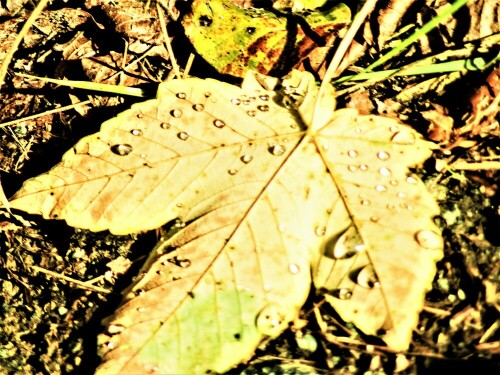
[[411, 180], [365, 202], [271, 320], [320, 231], [367, 278], [246, 158], [181, 95], [143, 156], [232, 171], [384, 171], [352, 168], [114, 329], [264, 97], [183, 262], [347, 245], [110, 345], [141, 309], [198, 107], [236, 101], [165, 125], [293, 268], [363, 167], [176, 113], [374, 219], [277, 150], [404, 137], [121, 149], [140, 115], [263, 108], [383, 155], [251, 113], [394, 129], [401, 195], [208, 94], [429, 239], [409, 207], [352, 153], [136, 132], [183, 136], [380, 187], [219, 123], [394, 182], [342, 293]]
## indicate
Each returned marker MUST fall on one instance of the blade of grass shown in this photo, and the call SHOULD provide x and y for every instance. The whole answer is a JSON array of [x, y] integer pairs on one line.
[[474, 64], [417, 35], [101, 87]]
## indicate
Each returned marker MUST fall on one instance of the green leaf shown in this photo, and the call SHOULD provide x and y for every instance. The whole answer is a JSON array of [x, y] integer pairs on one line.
[[236, 40]]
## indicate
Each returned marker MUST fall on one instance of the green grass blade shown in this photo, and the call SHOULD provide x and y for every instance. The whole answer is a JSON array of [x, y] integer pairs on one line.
[[101, 87]]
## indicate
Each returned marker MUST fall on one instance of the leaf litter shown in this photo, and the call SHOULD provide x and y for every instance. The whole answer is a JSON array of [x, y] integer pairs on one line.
[[363, 277]]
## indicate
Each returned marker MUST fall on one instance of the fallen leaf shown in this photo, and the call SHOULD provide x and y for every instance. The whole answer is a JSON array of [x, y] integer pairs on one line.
[[268, 42], [270, 185]]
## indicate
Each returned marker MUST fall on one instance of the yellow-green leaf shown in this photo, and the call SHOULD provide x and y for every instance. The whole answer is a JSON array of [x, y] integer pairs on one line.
[[270, 188], [236, 40]]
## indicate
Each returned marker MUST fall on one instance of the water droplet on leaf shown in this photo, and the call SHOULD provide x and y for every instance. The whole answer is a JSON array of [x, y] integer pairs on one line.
[[246, 158], [263, 108], [176, 113], [320, 231], [236, 101], [367, 278], [352, 168], [251, 113], [404, 137], [121, 149], [181, 95], [383, 155], [411, 180], [232, 171], [342, 293], [293, 268], [198, 107], [183, 136], [277, 150], [429, 239], [352, 153], [363, 167], [385, 171], [136, 132], [381, 188], [219, 123], [347, 245], [365, 202], [264, 97], [165, 125], [114, 329]]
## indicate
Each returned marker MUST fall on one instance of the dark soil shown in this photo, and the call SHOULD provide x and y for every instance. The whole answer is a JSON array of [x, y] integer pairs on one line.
[[50, 326]]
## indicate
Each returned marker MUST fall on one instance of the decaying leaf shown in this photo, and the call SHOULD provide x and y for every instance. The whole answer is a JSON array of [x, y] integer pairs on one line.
[[258, 39], [270, 188]]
